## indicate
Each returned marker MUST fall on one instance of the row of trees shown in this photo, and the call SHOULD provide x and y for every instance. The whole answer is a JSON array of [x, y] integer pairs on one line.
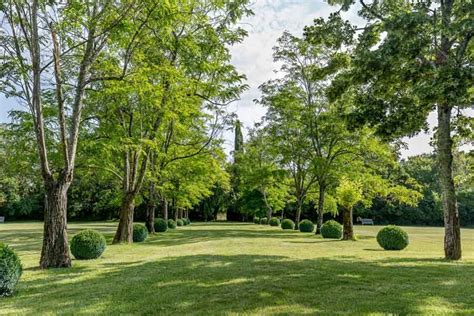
[[131, 87]]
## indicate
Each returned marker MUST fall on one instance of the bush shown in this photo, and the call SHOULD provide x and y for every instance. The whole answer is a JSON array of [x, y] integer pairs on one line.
[[88, 244], [306, 226], [171, 224], [264, 221], [392, 238], [10, 270], [287, 224], [188, 221], [185, 221], [140, 232], [256, 220], [331, 229], [160, 225], [179, 222], [274, 221]]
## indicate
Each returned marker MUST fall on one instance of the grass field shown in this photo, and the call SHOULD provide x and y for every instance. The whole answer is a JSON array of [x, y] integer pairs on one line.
[[233, 268]]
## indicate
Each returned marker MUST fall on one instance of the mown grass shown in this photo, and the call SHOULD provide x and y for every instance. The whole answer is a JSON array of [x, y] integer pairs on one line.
[[233, 268]]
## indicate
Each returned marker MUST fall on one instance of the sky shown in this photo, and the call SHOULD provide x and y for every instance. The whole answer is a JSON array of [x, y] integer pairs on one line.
[[253, 57]]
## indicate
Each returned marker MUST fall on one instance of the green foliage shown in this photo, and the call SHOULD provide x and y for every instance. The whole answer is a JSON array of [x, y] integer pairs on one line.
[[10, 270], [256, 220], [88, 244], [287, 224], [185, 221], [306, 226], [264, 221], [180, 222], [160, 225], [274, 221], [331, 229], [140, 232], [392, 238], [171, 224]]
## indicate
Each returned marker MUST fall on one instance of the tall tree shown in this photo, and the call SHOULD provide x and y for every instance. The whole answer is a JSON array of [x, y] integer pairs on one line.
[[48, 64], [413, 58]]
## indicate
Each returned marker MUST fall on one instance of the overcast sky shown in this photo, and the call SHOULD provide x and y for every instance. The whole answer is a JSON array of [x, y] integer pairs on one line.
[[253, 57]]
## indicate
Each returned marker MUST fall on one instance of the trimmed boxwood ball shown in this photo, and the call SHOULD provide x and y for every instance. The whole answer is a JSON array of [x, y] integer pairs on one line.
[[274, 221], [160, 225], [140, 233], [256, 220], [88, 244], [287, 224], [185, 221], [188, 221], [10, 270], [331, 229], [171, 224], [306, 226], [392, 238], [179, 222], [264, 221]]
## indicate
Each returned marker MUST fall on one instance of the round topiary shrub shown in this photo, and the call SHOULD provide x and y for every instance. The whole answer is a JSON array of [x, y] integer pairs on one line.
[[185, 221], [160, 225], [264, 221], [171, 224], [392, 238], [331, 229], [140, 232], [179, 222], [88, 244], [306, 226], [256, 220], [10, 270], [274, 221], [188, 221], [287, 224]]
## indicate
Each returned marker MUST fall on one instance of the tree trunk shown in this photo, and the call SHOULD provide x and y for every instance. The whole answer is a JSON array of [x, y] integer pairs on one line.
[[55, 251], [452, 231], [150, 217], [322, 192], [164, 208], [124, 232], [298, 214], [348, 226]]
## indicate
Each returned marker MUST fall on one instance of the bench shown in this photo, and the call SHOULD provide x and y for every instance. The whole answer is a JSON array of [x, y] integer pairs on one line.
[[365, 221], [2, 219]]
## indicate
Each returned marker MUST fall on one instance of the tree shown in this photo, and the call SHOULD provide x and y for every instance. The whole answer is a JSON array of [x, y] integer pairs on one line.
[[413, 58], [48, 64], [260, 171], [180, 75]]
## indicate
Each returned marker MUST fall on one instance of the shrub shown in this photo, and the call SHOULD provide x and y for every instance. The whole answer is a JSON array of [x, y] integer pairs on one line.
[[189, 221], [287, 224], [392, 238], [140, 232], [179, 222], [10, 270], [331, 229], [88, 244], [171, 224], [160, 225], [306, 226], [264, 221], [256, 220], [274, 221], [185, 221]]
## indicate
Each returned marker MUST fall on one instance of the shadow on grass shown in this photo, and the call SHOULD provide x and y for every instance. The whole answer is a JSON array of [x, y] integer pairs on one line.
[[213, 284]]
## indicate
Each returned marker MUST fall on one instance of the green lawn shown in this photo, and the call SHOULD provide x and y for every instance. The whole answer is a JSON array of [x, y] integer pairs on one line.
[[230, 268]]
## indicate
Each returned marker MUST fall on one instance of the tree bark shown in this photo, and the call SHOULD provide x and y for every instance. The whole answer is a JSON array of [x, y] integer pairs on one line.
[[298, 214], [164, 207], [55, 251], [124, 232], [322, 191], [452, 230], [348, 225], [150, 217]]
